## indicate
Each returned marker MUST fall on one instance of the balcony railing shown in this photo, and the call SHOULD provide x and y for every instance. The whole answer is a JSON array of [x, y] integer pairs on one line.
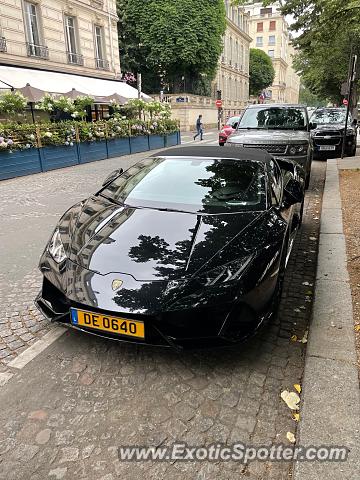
[[39, 51], [3, 44], [75, 58], [101, 64]]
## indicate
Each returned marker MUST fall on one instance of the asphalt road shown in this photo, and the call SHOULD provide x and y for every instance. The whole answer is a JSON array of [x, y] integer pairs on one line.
[[65, 413]]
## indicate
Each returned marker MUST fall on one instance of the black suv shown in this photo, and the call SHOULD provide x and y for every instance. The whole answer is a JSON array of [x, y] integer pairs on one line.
[[328, 133]]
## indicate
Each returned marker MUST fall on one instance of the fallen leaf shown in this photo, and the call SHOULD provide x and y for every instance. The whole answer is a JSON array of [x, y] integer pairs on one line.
[[297, 310], [305, 337], [294, 338], [306, 283], [291, 399], [296, 416], [297, 387], [309, 292], [312, 238], [357, 328], [291, 437]]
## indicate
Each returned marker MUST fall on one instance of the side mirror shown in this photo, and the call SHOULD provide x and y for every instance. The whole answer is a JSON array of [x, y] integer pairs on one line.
[[110, 178], [312, 125], [293, 193], [235, 125]]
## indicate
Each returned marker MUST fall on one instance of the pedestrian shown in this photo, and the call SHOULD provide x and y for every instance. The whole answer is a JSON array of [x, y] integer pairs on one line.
[[199, 128]]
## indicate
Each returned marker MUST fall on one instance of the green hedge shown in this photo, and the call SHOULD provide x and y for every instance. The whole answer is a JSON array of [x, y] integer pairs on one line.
[[25, 136]]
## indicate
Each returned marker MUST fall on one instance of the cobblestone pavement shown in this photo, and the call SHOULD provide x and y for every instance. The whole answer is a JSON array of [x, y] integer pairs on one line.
[[64, 415]]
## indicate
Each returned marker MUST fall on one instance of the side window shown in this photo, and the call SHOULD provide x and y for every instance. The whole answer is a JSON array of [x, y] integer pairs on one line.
[[275, 183]]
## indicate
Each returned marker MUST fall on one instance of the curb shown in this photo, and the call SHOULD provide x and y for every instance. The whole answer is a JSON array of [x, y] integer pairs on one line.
[[330, 399]]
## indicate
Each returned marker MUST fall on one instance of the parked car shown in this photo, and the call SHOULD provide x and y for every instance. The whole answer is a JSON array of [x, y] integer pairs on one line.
[[229, 127], [328, 133], [187, 247], [282, 130]]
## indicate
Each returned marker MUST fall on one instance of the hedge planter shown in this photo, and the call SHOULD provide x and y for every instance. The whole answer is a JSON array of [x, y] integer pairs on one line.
[[58, 156], [92, 151], [156, 141], [19, 163], [139, 144], [118, 146], [172, 139]]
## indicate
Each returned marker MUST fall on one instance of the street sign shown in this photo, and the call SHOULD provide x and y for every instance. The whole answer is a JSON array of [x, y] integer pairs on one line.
[[345, 102], [218, 103]]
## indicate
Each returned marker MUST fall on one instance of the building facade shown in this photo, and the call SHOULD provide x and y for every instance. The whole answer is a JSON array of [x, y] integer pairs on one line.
[[232, 78], [66, 36], [270, 33]]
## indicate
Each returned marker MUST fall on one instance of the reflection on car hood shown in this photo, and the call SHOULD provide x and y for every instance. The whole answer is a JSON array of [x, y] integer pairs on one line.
[[268, 136], [151, 244]]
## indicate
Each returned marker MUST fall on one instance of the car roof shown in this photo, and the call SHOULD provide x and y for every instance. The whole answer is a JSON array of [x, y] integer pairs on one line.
[[238, 153], [276, 105]]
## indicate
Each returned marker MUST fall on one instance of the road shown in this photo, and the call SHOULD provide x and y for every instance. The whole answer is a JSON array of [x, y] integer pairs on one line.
[[65, 413]]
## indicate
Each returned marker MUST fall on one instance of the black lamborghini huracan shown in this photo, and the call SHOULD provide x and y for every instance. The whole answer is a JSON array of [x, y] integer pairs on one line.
[[187, 247]]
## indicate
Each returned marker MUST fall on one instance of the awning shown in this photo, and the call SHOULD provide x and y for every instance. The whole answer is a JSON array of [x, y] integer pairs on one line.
[[56, 82]]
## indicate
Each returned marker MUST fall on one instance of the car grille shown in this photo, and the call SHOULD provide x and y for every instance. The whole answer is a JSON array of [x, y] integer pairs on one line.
[[280, 149], [327, 137]]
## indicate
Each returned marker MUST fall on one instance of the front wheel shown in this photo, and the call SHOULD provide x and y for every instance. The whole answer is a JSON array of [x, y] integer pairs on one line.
[[307, 181]]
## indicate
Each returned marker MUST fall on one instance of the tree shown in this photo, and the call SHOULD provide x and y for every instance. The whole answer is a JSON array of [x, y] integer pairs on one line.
[[310, 99], [329, 31], [261, 71], [177, 44]]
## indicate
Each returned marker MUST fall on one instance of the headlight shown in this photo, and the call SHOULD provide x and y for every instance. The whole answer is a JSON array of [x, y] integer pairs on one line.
[[226, 273], [297, 149], [56, 247]]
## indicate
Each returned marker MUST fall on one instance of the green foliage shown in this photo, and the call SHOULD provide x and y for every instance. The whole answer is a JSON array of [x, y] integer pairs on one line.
[[261, 71], [328, 30], [75, 108], [61, 133], [310, 99], [165, 40], [17, 137], [25, 136], [12, 102]]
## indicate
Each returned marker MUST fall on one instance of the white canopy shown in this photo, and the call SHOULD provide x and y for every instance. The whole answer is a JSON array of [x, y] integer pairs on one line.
[[55, 82]]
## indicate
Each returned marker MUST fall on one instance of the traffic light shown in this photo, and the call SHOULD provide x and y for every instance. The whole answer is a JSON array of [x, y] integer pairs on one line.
[[218, 94]]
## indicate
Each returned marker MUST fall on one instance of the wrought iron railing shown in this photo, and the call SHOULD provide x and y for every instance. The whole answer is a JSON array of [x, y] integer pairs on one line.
[[101, 64], [37, 50], [75, 58], [3, 44]]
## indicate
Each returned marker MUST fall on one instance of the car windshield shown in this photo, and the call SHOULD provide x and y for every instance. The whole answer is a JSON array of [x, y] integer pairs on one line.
[[326, 116], [274, 118], [197, 185]]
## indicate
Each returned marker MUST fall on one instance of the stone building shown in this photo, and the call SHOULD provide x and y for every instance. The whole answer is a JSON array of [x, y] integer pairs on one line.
[[67, 36], [270, 33], [232, 78]]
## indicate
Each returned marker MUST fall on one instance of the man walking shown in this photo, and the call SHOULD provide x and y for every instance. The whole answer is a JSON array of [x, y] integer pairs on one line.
[[199, 128]]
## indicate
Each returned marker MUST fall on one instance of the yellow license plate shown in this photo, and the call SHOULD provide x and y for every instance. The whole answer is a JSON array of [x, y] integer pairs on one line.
[[107, 323]]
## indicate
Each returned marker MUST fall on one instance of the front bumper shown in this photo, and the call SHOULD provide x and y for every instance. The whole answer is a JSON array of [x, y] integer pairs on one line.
[[335, 142], [201, 327]]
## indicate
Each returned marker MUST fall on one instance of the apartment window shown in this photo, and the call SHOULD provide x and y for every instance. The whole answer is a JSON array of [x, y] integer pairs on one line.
[[260, 27], [71, 41], [32, 28], [259, 41], [272, 40], [272, 25], [100, 48], [271, 53]]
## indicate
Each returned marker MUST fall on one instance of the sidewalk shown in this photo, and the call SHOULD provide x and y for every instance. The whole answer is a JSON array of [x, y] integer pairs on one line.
[[330, 411]]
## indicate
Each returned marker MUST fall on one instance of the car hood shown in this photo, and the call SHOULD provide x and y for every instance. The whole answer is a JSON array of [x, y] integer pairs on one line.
[[259, 137], [152, 245], [331, 127]]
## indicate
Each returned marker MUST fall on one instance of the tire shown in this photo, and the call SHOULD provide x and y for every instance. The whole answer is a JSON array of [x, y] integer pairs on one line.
[[307, 181], [353, 152], [221, 144]]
